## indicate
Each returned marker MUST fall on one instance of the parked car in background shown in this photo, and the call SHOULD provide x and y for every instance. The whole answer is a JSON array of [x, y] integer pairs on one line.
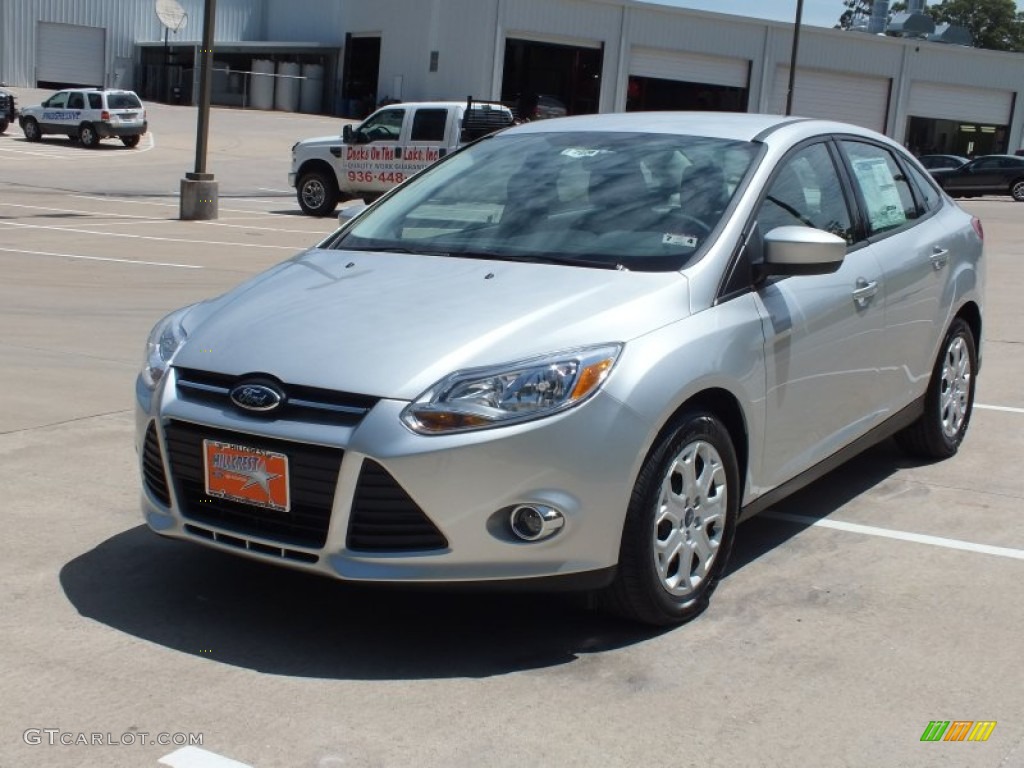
[[574, 354], [934, 162], [986, 175], [8, 109], [89, 115]]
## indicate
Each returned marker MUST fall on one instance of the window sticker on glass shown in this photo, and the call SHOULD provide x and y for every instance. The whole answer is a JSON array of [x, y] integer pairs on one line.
[[885, 207], [686, 241], [581, 152]]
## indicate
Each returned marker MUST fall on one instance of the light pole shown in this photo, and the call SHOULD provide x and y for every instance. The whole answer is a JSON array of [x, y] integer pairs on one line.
[[199, 194], [793, 54]]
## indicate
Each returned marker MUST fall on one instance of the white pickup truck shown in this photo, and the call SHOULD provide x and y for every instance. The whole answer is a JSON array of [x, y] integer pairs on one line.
[[392, 144]]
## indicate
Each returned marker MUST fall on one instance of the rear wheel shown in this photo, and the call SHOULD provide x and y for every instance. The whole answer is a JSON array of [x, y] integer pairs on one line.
[[88, 136], [31, 129], [4, 122], [317, 193], [938, 432], [131, 141], [1017, 190], [680, 525]]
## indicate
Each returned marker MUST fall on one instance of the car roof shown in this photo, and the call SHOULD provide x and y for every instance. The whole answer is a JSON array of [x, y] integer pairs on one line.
[[737, 126]]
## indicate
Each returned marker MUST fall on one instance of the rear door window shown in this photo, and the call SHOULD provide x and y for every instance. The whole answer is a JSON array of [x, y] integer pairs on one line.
[[429, 125], [884, 188]]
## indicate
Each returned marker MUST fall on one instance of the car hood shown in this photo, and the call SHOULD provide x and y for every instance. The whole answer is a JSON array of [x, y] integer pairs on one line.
[[321, 141], [391, 325]]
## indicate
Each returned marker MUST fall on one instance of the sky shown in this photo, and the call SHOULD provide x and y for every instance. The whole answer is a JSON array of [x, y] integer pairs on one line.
[[820, 13]]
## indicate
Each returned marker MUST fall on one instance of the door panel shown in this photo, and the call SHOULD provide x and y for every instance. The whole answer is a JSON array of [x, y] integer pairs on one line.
[[822, 332]]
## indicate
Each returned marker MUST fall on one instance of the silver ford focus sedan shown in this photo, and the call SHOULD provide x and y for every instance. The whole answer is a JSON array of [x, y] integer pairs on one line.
[[574, 354]]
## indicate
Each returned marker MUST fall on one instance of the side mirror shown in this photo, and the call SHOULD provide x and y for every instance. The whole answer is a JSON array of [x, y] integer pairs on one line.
[[346, 133], [802, 251], [349, 212]]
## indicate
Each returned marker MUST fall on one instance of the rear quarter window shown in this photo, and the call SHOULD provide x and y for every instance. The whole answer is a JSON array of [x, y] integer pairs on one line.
[[123, 101]]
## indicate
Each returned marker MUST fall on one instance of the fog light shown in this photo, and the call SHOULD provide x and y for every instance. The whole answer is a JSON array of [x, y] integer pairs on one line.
[[533, 522]]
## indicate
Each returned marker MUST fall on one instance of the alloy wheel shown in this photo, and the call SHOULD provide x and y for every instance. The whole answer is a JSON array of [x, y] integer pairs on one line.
[[690, 518]]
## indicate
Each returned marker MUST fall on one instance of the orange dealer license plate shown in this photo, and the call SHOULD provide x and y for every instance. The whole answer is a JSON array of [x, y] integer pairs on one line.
[[249, 475]]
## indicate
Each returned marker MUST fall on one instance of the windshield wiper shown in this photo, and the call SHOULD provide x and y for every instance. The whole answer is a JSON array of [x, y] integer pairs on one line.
[[541, 258]]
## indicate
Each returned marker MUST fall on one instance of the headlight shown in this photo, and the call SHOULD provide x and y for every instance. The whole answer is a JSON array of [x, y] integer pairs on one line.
[[512, 393], [165, 339]]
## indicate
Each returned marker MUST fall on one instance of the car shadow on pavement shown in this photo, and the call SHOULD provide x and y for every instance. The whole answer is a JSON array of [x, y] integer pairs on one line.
[[261, 617], [817, 501], [269, 619]]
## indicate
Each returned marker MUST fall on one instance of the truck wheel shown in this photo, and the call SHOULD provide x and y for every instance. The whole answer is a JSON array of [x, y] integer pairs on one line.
[[88, 136], [317, 193], [3, 124], [31, 129], [131, 141]]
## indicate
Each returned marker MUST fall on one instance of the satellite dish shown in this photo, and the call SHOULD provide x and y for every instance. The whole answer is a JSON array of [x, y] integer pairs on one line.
[[171, 15]]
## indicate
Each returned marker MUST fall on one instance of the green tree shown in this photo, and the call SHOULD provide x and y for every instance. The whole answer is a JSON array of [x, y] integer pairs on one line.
[[994, 24]]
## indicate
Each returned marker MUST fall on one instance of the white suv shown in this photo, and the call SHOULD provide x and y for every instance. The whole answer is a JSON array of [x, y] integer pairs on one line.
[[87, 114]]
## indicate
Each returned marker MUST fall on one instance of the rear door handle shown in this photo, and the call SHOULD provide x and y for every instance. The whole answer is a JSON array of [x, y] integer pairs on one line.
[[864, 291], [939, 257]]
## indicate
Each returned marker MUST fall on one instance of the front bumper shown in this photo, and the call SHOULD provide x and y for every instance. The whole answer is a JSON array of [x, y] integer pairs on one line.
[[462, 485]]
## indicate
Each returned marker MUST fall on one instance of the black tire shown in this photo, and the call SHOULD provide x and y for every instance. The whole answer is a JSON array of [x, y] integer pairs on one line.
[[317, 193], [131, 141], [4, 122], [31, 130], [1017, 190], [371, 197], [88, 136], [938, 432], [641, 591]]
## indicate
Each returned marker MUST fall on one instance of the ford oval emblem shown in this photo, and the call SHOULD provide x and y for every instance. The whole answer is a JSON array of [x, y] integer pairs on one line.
[[256, 397]]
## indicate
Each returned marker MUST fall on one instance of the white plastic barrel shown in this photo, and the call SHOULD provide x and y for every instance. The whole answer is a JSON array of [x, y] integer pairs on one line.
[[261, 84], [286, 93], [312, 90]]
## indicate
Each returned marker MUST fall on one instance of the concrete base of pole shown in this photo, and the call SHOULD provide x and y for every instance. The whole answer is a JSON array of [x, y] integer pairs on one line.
[[199, 196]]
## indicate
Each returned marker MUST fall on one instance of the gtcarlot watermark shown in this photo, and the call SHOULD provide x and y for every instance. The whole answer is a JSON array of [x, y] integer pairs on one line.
[[57, 737]]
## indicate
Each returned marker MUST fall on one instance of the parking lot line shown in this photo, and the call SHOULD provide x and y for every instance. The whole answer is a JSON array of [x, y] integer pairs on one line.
[[171, 205], [101, 258], [291, 248], [73, 210], [1004, 408], [887, 533]]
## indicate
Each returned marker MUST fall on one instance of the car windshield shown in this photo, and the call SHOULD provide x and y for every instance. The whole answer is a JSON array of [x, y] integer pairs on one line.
[[616, 200], [123, 101]]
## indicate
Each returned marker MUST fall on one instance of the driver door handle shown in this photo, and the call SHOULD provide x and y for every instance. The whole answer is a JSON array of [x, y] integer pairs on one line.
[[939, 257], [864, 291]]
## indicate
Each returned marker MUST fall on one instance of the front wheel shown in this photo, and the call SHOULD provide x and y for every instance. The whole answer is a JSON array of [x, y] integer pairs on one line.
[[1017, 190], [679, 526], [4, 122], [31, 130], [938, 432], [131, 141], [317, 193], [88, 136]]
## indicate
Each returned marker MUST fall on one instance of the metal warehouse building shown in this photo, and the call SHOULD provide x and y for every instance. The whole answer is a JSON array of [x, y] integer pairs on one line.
[[585, 55]]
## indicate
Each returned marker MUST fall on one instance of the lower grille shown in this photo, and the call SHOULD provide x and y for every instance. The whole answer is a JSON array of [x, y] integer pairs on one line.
[[313, 474], [385, 519], [251, 546], [153, 467]]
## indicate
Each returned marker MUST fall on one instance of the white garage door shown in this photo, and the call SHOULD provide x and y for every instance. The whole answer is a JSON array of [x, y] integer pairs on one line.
[[953, 102], [67, 53], [689, 67], [850, 98]]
